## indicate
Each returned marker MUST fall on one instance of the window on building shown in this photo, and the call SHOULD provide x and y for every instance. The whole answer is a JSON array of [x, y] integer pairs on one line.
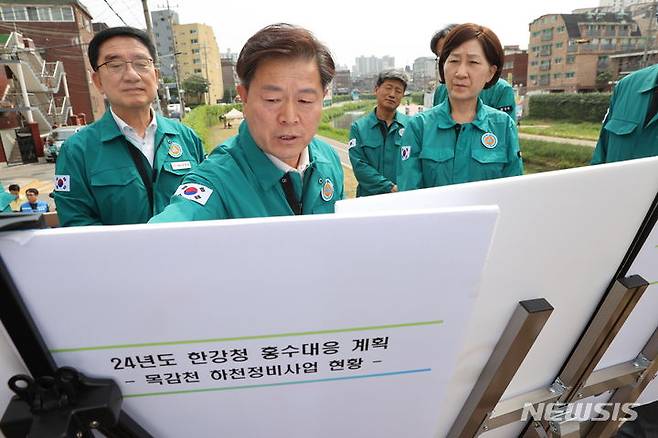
[[558, 60], [533, 77], [197, 70], [559, 45], [569, 74], [44, 14], [197, 61], [32, 14], [534, 63], [193, 31], [194, 41], [56, 14], [571, 59], [561, 29], [196, 50], [67, 13], [557, 75], [7, 13], [20, 14]]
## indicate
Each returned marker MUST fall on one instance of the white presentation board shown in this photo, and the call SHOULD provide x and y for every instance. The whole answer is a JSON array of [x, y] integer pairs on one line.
[[318, 326], [561, 236]]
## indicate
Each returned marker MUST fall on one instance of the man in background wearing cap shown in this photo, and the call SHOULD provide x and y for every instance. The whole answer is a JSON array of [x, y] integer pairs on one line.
[[125, 167], [375, 139]]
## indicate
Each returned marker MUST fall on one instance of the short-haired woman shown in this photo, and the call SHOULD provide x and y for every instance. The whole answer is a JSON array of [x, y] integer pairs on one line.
[[462, 140]]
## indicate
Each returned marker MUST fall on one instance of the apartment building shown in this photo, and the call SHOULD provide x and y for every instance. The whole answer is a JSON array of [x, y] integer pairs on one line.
[[571, 52], [62, 31], [199, 56]]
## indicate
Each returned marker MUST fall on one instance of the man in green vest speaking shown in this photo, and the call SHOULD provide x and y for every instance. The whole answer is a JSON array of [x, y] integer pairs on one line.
[[274, 166]]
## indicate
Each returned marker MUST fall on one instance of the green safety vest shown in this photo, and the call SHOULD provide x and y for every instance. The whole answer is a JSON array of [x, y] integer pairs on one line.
[[434, 153], [374, 150], [239, 181], [97, 181], [625, 133]]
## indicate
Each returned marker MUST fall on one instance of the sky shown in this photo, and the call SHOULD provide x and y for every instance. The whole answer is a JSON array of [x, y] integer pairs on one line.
[[350, 28]]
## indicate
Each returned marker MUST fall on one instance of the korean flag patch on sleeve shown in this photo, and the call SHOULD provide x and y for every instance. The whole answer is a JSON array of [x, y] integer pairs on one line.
[[194, 192], [62, 183]]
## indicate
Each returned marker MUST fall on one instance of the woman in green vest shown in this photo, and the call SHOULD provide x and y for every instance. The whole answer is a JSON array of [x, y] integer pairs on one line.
[[462, 140]]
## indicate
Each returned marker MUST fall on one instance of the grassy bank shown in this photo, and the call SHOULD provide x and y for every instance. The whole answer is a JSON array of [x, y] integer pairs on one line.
[[559, 128], [205, 117], [329, 114], [540, 156]]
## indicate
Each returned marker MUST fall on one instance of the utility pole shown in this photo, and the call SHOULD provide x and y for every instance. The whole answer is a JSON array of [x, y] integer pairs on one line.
[[205, 62], [649, 38], [177, 77], [149, 30]]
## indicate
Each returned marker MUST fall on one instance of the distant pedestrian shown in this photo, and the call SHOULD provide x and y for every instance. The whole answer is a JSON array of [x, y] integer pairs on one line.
[[5, 200], [33, 205], [15, 190]]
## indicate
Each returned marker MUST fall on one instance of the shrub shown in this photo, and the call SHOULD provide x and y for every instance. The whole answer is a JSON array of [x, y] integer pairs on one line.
[[575, 107]]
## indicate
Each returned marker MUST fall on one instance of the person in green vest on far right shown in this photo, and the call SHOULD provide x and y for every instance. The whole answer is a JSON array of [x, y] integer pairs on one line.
[[499, 96], [630, 127]]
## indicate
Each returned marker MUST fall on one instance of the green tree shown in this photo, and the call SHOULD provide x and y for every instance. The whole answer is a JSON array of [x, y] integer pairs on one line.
[[195, 86], [603, 80]]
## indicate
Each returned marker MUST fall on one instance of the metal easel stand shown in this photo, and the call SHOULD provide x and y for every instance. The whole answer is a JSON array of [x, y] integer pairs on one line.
[[54, 402], [522, 330], [577, 380]]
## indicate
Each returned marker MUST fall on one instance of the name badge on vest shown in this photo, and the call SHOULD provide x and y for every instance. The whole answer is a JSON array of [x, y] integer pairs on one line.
[[179, 165]]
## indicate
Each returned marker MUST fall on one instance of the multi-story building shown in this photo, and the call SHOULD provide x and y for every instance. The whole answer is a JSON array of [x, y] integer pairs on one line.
[[620, 5], [623, 64], [61, 29], [515, 67], [342, 82], [229, 77], [233, 56], [163, 22], [372, 65], [570, 52], [199, 56], [424, 74]]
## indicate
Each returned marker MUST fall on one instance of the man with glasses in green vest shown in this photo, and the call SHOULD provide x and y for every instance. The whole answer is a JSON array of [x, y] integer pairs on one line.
[[124, 168]]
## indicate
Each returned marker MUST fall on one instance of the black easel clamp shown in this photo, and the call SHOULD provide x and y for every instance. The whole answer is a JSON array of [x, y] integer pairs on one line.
[[68, 404]]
